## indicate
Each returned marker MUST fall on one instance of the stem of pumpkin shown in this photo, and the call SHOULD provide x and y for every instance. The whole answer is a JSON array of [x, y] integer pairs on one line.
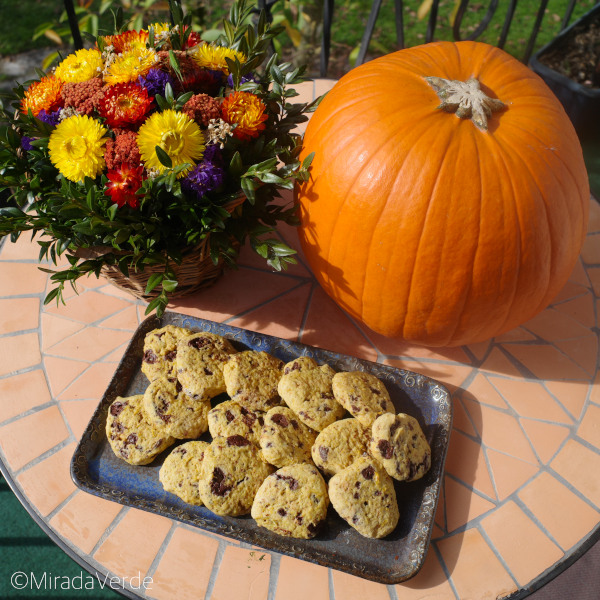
[[466, 99]]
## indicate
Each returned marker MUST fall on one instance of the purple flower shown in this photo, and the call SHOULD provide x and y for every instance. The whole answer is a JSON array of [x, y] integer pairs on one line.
[[26, 142], [155, 81], [52, 118], [212, 154], [204, 178], [244, 79]]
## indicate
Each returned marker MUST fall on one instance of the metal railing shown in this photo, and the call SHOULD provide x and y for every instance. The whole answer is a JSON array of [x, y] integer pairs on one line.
[[328, 11]]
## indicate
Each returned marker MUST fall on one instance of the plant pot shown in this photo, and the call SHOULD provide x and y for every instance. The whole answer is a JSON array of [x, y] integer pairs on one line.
[[581, 102]]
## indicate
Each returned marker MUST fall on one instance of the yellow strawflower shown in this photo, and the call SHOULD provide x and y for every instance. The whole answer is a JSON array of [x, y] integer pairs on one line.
[[213, 57], [174, 132], [81, 66], [130, 65], [77, 147]]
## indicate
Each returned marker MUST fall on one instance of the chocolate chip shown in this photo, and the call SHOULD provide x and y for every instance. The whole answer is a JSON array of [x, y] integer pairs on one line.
[[327, 395], [375, 391], [229, 416], [393, 427], [207, 371], [181, 451], [323, 452], [356, 495], [299, 519], [314, 528], [199, 342], [385, 448], [118, 427], [368, 472], [178, 387], [357, 484], [150, 357], [217, 485], [280, 420], [248, 418], [165, 418], [282, 512], [158, 443], [116, 408], [354, 408], [293, 483], [171, 356], [261, 421], [132, 438], [355, 519], [294, 424], [237, 440], [377, 493], [294, 367]]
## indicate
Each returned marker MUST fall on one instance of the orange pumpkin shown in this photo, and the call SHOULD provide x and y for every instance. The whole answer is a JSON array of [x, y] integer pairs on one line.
[[427, 226]]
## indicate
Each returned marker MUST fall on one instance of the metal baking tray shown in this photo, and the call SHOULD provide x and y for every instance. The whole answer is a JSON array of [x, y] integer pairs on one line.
[[398, 557]]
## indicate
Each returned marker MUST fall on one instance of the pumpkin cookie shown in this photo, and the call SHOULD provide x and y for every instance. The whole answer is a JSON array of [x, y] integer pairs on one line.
[[170, 408], [363, 495], [307, 391], [160, 351], [131, 435], [251, 379], [339, 445], [231, 418], [284, 440], [300, 363], [399, 444], [232, 472], [362, 395], [181, 471], [200, 361], [292, 502]]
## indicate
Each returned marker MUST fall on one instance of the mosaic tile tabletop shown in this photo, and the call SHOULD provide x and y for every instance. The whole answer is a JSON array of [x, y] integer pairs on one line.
[[521, 491]]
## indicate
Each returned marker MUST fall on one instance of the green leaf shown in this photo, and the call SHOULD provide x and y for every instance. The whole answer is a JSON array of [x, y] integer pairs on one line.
[[112, 212], [153, 281], [168, 89], [175, 66], [236, 166], [164, 158], [308, 160], [249, 188], [169, 285]]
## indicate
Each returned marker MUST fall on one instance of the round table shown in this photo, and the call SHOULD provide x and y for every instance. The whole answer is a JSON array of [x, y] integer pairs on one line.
[[521, 492]]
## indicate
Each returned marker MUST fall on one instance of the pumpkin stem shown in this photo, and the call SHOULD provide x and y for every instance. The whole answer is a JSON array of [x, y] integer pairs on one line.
[[466, 99]]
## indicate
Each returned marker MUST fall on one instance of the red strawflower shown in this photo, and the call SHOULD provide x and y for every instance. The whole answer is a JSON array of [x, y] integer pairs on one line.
[[125, 104], [124, 182]]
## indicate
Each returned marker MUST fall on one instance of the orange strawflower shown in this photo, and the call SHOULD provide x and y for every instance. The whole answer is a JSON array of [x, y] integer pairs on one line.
[[246, 111], [43, 95], [127, 40]]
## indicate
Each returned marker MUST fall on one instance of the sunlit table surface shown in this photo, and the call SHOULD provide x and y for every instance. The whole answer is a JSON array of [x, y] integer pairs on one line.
[[521, 491]]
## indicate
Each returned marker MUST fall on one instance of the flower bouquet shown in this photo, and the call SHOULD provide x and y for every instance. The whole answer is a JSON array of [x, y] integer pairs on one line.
[[152, 156]]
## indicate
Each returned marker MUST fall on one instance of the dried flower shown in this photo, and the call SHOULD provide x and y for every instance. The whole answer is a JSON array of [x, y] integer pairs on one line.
[[202, 108], [130, 65], [124, 182], [42, 95], [84, 96], [203, 178], [125, 104], [213, 57], [247, 112], [80, 66], [123, 149], [155, 81], [218, 131]]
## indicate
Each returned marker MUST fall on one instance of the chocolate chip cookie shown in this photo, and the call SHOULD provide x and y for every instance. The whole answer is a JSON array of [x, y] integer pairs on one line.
[[399, 443], [339, 445], [160, 351], [363, 495], [251, 379], [180, 473], [232, 471], [170, 408], [284, 439], [231, 418], [292, 501], [200, 361], [131, 435], [363, 395]]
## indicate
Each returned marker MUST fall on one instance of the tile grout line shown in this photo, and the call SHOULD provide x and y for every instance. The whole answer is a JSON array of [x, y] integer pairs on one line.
[[445, 570], [38, 459], [331, 586], [498, 555], [273, 575], [161, 551], [109, 529], [215, 569]]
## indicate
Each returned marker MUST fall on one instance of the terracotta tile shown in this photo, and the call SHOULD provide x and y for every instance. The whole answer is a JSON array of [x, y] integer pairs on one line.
[[591, 249], [595, 392], [185, 567], [140, 530], [91, 383], [594, 219], [546, 362], [29, 437], [89, 307], [49, 483], [78, 414], [243, 574], [429, 583], [19, 352], [500, 430], [236, 292], [451, 376], [518, 334], [594, 275], [20, 393], [546, 438], [322, 86], [580, 466], [55, 329], [466, 461], [463, 505], [19, 314], [509, 473], [568, 519], [84, 519], [553, 324], [249, 258], [581, 308], [90, 344], [125, 319], [282, 317], [570, 394], [299, 580], [530, 399], [23, 249], [327, 326], [306, 92], [116, 292], [475, 570], [116, 355], [440, 511], [498, 363], [524, 547], [484, 392], [480, 349], [61, 372], [91, 282], [589, 428], [460, 418], [583, 351], [19, 279], [571, 290], [579, 274], [350, 587]]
